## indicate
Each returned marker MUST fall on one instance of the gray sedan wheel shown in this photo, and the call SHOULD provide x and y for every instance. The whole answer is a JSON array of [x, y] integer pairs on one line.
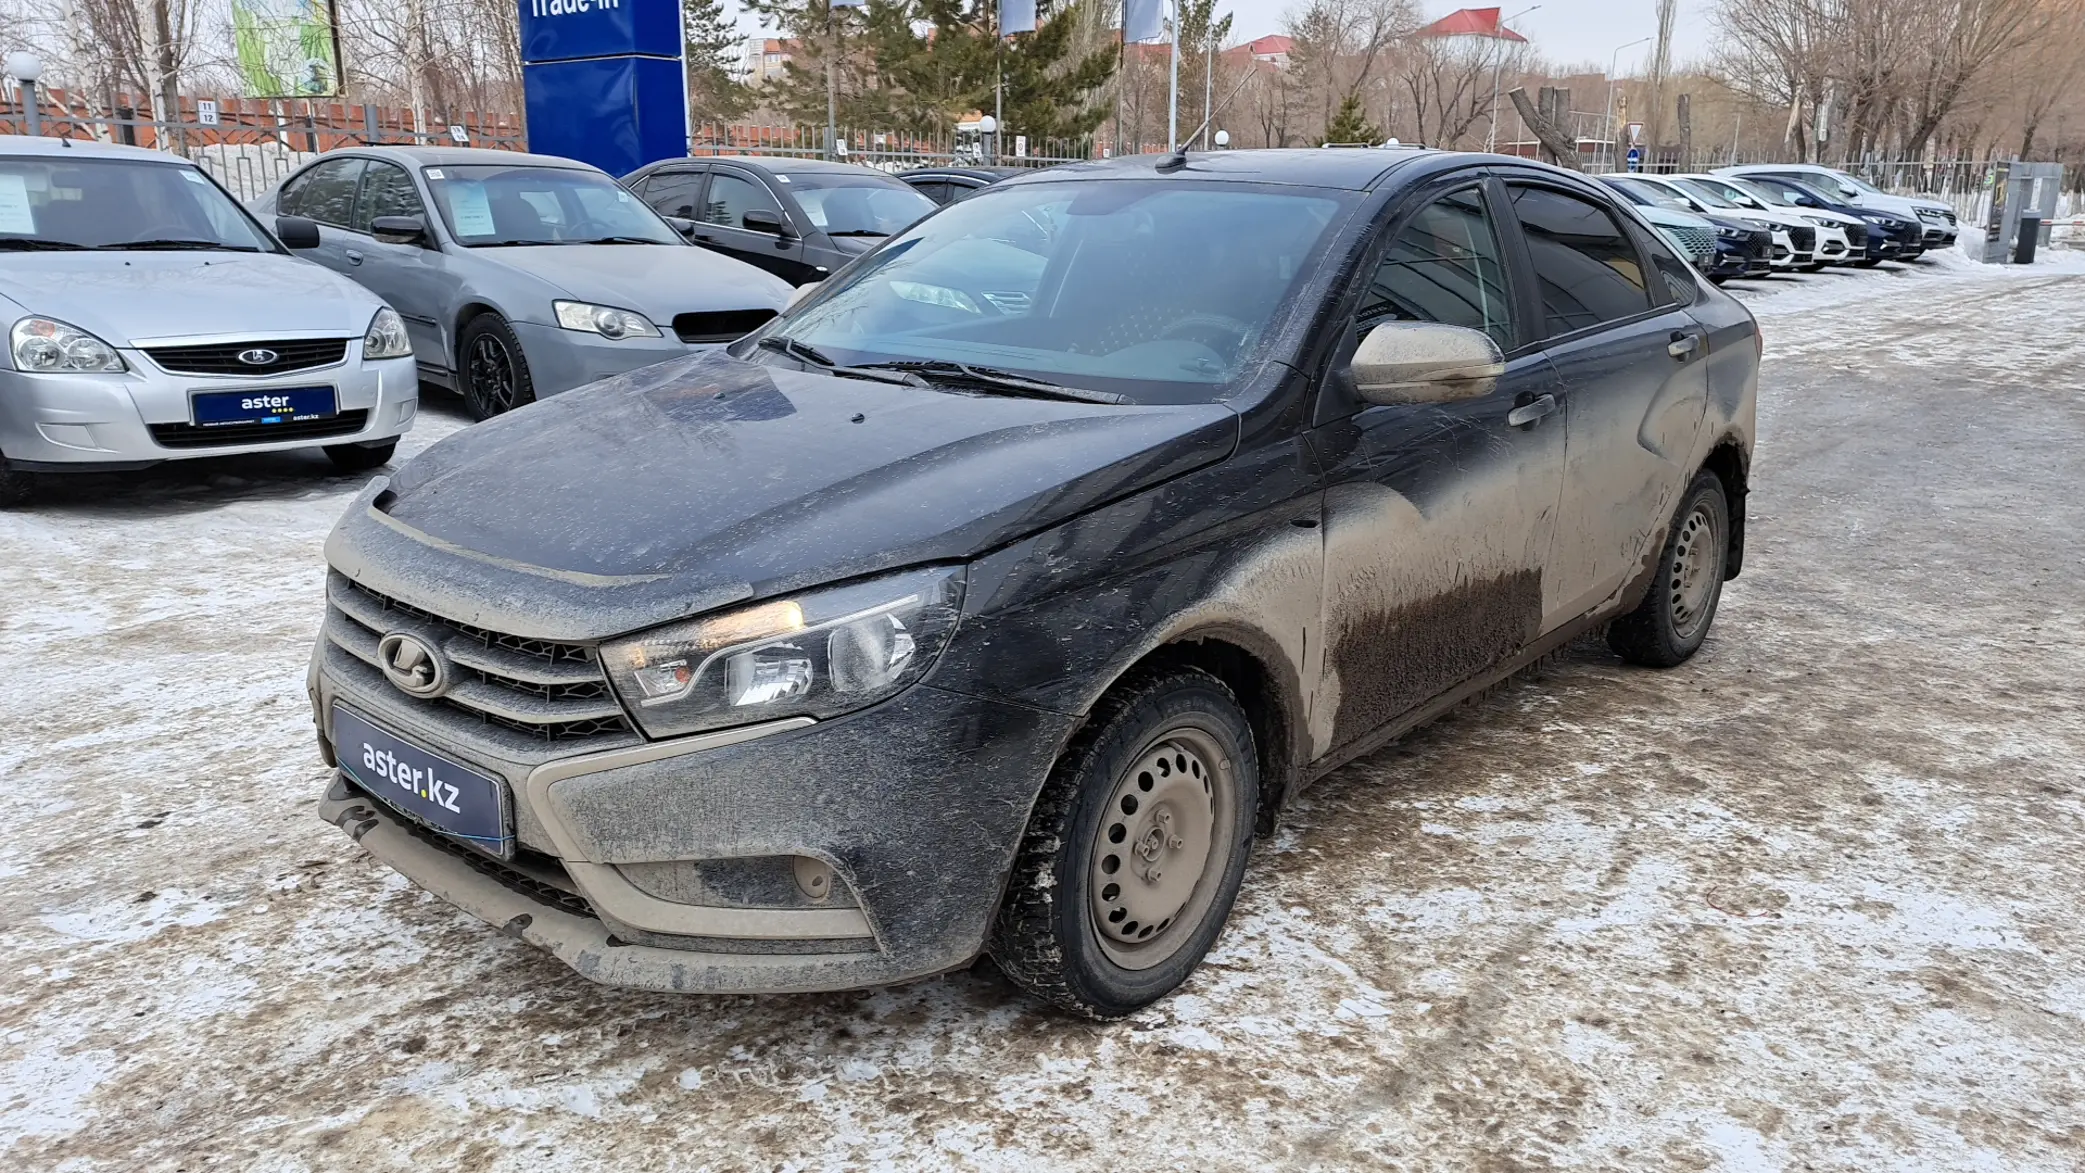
[[495, 374]]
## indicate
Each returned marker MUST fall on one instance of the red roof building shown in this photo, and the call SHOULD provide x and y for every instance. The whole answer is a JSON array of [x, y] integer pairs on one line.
[[1471, 22]]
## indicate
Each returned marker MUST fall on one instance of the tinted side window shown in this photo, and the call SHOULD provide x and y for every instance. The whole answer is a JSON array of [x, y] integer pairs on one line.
[[958, 191], [386, 191], [1586, 268], [1443, 267], [731, 197], [329, 195], [933, 189], [673, 193]]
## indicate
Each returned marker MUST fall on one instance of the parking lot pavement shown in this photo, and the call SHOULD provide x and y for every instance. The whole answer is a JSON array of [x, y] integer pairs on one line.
[[1811, 901]]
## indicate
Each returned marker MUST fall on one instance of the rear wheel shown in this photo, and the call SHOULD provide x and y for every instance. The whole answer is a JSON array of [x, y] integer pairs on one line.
[[1133, 857], [495, 373], [1670, 624], [361, 458]]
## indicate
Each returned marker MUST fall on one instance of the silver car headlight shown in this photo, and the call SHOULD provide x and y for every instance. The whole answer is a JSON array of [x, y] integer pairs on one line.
[[817, 654], [48, 345], [386, 337], [605, 320], [1821, 222]]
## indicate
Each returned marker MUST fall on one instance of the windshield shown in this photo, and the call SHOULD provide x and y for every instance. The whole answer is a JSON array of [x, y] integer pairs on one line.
[[1859, 185], [1160, 290], [486, 205], [118, 204], [1778, 191], [856, 205], [1705, 193]]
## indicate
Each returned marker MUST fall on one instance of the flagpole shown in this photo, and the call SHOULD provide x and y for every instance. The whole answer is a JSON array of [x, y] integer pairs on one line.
[[1173, 88]]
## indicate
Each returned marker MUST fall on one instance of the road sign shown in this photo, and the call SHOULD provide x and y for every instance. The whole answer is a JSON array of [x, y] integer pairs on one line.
[[1635, 158]]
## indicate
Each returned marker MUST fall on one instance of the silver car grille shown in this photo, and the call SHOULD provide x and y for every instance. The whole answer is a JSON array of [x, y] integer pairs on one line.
[[547, 690]]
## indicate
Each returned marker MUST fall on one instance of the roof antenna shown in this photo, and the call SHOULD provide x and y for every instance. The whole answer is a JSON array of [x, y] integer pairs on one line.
[[1178, 159]]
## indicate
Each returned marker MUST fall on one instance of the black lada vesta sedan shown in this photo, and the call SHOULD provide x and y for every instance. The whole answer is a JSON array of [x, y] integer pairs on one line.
[[994, 598]]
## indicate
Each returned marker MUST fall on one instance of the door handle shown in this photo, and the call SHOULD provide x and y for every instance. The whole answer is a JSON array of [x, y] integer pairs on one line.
[[1530, 413], [353, 257], [1683, 345]]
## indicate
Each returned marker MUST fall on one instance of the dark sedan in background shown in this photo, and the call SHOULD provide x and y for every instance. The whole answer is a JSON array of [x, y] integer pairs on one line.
[[948, 185], [799, 219]]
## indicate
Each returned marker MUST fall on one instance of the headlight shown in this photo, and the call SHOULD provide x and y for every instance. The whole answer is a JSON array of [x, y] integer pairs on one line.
[[1878, 221], [818, 655], [607, 321], [1821, 222], [45, 344], [386, 337], [1734, 233]]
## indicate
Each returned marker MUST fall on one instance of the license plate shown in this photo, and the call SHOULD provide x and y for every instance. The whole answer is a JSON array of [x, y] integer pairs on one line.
[[276, 405], [453, 799]]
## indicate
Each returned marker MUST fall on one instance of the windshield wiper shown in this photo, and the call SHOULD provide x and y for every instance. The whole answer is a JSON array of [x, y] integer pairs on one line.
[[988, 379], [507, 243], [31, 244], [617, 240], [810, 356], [169, 243], [856, 232]]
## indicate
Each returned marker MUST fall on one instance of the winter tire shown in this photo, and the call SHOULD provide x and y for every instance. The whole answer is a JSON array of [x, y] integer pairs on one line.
[[495, 373], [1135, 850], [16, 488], [1674, 617], [361, 458]]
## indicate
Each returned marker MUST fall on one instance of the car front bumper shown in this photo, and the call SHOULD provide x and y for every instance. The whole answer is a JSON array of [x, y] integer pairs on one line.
[[559, 359], [917, 806], [85, 422]]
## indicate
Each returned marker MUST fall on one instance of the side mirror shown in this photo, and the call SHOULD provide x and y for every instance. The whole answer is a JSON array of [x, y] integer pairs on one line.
[[399, 230], [680, 224], [763, 220], [1424, 362], [802, 292], [295, 232]]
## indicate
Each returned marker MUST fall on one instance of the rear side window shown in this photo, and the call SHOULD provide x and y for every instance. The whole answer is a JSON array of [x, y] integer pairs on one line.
[[1587, 269], [328, 195], [674, 193], [1443, 267]]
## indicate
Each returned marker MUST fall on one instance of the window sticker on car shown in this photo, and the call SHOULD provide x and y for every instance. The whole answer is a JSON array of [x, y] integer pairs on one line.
[[434, 173], [781, 179], [15, 213], [472, 210], [195, 177]]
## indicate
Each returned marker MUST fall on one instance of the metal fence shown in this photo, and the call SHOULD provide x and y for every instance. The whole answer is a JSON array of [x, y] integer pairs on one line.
[[888, 150]]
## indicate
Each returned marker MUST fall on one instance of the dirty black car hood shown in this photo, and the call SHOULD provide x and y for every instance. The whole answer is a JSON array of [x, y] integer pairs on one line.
[[710, 480]]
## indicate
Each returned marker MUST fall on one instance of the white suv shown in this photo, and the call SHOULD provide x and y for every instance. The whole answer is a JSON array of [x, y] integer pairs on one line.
[[1937, 218]]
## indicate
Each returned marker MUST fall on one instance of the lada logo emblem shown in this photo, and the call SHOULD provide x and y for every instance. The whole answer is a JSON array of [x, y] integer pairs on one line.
[[259, 356], [412, 665]]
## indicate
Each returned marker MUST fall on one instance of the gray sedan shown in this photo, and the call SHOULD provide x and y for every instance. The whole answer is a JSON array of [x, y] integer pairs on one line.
[[519, 276]]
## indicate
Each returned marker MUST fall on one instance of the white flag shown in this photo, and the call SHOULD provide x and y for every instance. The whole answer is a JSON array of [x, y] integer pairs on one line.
[[1143, 20], [1016, 16]]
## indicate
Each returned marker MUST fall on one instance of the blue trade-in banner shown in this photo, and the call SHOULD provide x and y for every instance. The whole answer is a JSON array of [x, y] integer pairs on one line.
[[569, 30], [617, 113]]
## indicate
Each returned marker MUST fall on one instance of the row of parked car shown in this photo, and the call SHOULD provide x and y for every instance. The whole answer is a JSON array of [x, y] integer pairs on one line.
[[510, 277], [1754, 220]]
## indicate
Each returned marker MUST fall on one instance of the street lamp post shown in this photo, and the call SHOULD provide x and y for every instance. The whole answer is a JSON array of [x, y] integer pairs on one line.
[[26, 68], [1614, 63], [1491, 136]]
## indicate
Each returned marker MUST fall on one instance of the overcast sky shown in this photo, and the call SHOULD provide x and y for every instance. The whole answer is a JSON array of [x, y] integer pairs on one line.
[[1568, 32]]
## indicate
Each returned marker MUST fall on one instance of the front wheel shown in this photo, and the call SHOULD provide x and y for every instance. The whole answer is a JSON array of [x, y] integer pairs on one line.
[[495, 372], [16, 488], [1669, 625], [1133, 856]]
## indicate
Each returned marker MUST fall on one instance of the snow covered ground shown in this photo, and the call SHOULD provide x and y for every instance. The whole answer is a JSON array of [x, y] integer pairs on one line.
[[1811, 901]]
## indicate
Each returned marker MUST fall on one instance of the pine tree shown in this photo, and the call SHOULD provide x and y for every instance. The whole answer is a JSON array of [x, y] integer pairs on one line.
[[711, 42], [1350, 125]]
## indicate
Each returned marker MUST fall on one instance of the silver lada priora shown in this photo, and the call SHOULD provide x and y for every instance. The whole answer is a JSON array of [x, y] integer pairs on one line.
[[148, 317]]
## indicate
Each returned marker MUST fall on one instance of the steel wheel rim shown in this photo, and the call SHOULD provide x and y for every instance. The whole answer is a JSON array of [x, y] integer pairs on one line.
[[1172, 812], [492, 374], [1697, 572]]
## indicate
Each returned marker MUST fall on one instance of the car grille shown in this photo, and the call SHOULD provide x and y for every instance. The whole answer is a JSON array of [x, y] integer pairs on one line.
[[301, 354], [547, 690], [347, 423], [1803, 239], [719, 326]]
